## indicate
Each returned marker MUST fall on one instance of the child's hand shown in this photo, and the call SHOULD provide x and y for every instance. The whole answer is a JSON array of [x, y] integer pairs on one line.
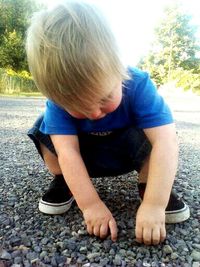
[[100, 221], [150, 224]]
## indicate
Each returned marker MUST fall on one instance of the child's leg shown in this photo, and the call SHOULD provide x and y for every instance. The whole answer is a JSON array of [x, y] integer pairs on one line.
[[51, 160], [58, 198], [143, 173]]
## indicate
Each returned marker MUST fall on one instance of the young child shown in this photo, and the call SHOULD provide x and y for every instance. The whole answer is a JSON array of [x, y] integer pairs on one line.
[[101, 119]]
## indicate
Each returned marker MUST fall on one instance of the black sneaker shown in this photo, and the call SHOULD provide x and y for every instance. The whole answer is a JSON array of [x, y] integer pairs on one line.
[[57, 199], [177, 211]]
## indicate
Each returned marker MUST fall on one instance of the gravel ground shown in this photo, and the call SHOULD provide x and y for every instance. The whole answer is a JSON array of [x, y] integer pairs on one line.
[[30, 238]]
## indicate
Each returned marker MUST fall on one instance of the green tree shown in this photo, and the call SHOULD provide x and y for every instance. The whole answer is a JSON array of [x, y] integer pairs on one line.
[[12, 53], [14, 17], [175, 46]]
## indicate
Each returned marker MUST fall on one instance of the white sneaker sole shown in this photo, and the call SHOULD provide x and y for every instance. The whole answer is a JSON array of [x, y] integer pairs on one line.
[[177, 216], [55, 208]]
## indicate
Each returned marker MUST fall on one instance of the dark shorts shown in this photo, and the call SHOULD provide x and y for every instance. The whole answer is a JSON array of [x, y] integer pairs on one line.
[[120, 152]]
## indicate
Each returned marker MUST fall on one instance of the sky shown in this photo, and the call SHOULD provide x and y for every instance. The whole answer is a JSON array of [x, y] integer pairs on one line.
[[133, 22]]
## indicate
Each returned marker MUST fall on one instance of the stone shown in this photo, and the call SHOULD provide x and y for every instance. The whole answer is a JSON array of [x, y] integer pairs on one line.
[[117, 260], [122, 252], [107, 244], [183, 232], [167, 249], [15, 241], [5, 255], [93, 255], [130, 254], [83, 250], [25, 240], [104, 261], [71, 245], [174, 256], [112, 252], [44, 241], [37, 249], [82, 232], [195, 255], [196, 246], [4, 220], [81, 258], [18, 260], [16, 253]]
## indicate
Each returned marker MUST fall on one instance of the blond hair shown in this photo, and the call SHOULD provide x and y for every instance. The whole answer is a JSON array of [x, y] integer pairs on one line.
[[73, 56]]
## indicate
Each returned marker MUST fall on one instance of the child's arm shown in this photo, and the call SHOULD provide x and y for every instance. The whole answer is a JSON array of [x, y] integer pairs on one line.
[[98, 218], [150, 220]]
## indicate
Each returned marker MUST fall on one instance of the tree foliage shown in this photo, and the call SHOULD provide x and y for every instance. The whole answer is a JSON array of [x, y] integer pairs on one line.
[[14, 17], [175, 46]]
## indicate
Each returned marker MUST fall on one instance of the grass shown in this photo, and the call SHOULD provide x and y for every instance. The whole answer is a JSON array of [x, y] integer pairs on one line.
[[23, 94]]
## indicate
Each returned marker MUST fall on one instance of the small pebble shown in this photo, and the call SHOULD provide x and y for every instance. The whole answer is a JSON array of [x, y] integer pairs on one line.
[[83, 250], [93, 255], [117, 260], [197, 246], [167, 249], [4, 255], [195, 255], [17, 260], [174, 256]]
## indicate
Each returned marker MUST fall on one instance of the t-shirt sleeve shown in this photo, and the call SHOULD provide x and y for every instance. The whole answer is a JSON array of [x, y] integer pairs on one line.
[[57, 121], [148, 106]]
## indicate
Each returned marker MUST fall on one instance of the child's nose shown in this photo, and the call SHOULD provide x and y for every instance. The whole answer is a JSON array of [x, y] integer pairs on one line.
[[96, 114]]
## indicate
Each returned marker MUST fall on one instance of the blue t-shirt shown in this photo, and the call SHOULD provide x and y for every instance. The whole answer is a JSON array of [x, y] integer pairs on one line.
[[141, 107]]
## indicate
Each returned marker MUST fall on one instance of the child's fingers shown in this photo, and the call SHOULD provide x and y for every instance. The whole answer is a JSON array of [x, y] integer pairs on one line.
[[104, 230], [89, 229], [147, 236], [139, 233], [113, 229], [162, 233], [156, 236], [150, 236], [96, 230]]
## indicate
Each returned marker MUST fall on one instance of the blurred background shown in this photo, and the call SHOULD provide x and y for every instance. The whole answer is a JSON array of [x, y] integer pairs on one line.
[[162, 37]]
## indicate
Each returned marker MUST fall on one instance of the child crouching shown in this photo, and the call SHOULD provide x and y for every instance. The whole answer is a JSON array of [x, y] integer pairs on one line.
[[101, 119]]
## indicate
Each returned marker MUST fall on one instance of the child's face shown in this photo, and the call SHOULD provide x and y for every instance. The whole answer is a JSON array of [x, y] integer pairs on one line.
[[103, 107]]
